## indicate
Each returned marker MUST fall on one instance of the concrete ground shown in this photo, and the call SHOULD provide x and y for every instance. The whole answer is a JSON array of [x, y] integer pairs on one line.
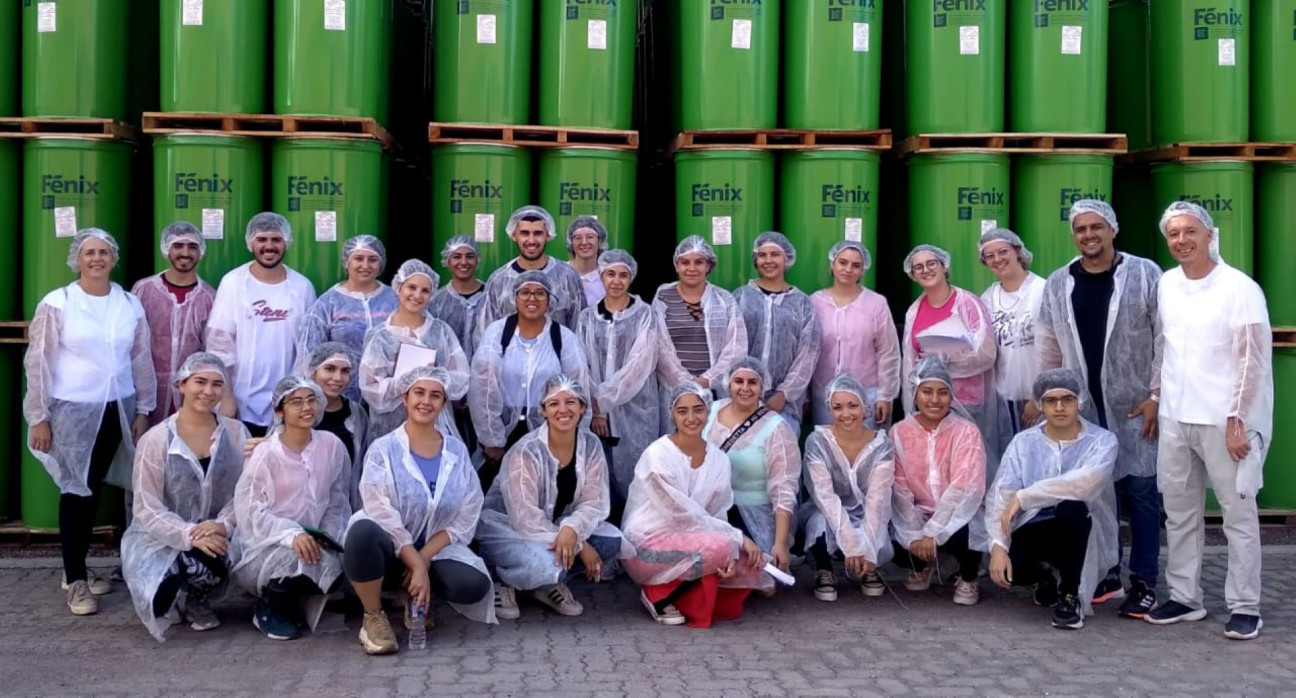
[[910, 644]]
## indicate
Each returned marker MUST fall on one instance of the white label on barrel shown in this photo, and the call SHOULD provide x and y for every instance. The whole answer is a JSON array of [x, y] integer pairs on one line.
[[970, 40], [335, 15], [596, 35], [741, 37], [1072, 40], [854, 229], [484, 227], [1227, 52], [326, 226], [988, 224], [721, 230], [213, 224], [45, 12], [64, 221], [192, 14], [860, 38], [485, 29]]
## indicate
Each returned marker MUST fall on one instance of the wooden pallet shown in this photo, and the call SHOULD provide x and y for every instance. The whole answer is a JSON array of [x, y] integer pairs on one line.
[[13, 332], [532, 136], [1040, 143], [38, 127], [268, 126], [1198, 152], [1284, 337], [782, 139], [16, 532]]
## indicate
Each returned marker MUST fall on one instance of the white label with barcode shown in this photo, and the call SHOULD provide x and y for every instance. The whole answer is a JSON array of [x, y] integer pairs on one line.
[[326, 226], [485, 29], [860, 37], [1072, 40], [213, 224], [484, 227], [46, 20], [988, 224], [192, 13], [721, 230], [854, 229], [970, 40], [741, 38], [1227, 52], [65, 221], [596, 35], [335, 15]]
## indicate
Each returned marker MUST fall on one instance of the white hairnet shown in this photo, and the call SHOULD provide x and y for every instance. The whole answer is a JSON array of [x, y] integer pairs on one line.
[[415, 267], [531, 213], [1005, 235], [364, 242], [563, 383], [690, 388], [592, 223], [749, 363], [846, 383], [268, 222], [1101, 208], [437, 374], [1187, 208], [778, 240], [930, 368], [456, 243], [330, 350], [182, 230], [614, 258], [941, 255], [200, 362], [80, 239], [694, 244], [1057, 379], [851, 245], [536, 277], [290, 384]]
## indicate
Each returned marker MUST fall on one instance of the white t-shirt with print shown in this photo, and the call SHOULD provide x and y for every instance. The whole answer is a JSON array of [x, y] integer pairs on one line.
[[1014, 316]]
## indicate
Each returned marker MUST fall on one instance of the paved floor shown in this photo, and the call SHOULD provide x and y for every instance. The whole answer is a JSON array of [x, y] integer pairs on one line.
[[790, 645]]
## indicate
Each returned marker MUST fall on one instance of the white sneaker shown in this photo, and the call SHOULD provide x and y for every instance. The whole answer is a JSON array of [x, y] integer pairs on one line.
[[80, 601], [506, 607], [825, 588], [560, 599], [966, 593], [918, 581], [98, 585], [669, 615]]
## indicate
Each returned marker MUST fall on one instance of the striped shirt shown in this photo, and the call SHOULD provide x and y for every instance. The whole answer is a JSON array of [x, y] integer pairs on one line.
[[686, 324]]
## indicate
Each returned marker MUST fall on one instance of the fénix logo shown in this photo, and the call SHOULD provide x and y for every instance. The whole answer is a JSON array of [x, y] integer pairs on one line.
[[461, 189], [1044, 8], [704, 193], [573, 191], [1206, 17], [835, 7], [831, 195], [1213, 204], [187, 183], [56, 184], [299, 186], [975, 196], [718, 6], [573, 6], [261, 309], [940, 8], [1070, 195]]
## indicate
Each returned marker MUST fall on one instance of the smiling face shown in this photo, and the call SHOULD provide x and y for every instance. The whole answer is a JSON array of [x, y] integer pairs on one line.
[[532, 302], [847, 410], [95, 259], [771, 262], [562, 411], [692, 269], [268, 248], [1189, 240], [183, 255], [928, 271], [1093, 236], [299, 409], [585, 244], [463, 263], [531, 237], [745, 388], [933, 400], [333, 376], [848, 267], [616, 282], [363, 266], [690, 415], [203, 391], [424, 402], [1002, 259], [1061, 409], [415, 293]]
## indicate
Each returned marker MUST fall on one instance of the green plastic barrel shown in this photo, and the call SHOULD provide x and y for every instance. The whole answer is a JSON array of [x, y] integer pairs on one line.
[[329, 190], [1043, 189], [1225, 189], [1132, 198], [475, 188], [1200, 61], [74, 58], [1057, 66], [1279, 484], [10, 36], [1273, 47], [953, 198], [726, 64], [10, 223], [482, 61], [596, 182], [216, 183], [11, 431], [213, 56], [331, 57], [587, 58], [1129, 91], [11, 356], [69, 184], [954, 65], [827, 196], [832, 64], [1276, 240], [727, 197]]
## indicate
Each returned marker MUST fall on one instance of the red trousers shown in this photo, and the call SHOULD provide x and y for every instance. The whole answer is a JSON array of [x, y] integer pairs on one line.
[[705, 602]]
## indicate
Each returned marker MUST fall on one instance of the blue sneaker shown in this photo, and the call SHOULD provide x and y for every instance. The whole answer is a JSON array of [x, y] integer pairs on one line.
[[1243, 627], [273, 623]]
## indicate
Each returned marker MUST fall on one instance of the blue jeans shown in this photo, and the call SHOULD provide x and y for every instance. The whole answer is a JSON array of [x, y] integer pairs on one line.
[[1137, 498]]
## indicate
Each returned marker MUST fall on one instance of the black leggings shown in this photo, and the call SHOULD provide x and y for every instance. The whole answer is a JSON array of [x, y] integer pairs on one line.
[[370, 556], [76, 514], [1060, 541], [969, 561]]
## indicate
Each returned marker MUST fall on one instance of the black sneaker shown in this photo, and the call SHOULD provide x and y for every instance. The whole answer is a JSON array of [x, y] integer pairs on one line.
[[1173, 612], [1046, 592], [1109, 588], [1067, 614], [1139, 600], [1243, 627], [274, 623]]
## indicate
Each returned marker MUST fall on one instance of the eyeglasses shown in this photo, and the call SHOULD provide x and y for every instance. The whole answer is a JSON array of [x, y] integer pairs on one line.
[[1055, 400], [533, 295], [933, 265], [301, 403], [998, 254]]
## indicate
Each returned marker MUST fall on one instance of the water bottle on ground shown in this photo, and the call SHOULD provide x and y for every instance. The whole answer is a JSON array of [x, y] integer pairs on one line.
[[415, 615]]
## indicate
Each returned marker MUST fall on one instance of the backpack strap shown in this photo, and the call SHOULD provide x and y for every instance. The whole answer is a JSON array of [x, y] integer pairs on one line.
[[510, 329]]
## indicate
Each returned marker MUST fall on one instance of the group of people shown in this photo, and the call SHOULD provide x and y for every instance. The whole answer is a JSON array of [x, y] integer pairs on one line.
[[473, 441]]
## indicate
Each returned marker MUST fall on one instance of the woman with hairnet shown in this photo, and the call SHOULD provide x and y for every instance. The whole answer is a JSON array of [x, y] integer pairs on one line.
[[764, 460], [781, 327], [349, 310], [702, 321], [1052, 505], [515, 356], [177, 303], [410, 329], [586, 240], [332, 366], [952, 323], [621, 338], [421, 501], [531, 228], [850, 469], [548, 509], [457, 307], [940, 480], [184, 477], [694, 567], [90, 389], [857, 336], [291, 507], [1014, 304]]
